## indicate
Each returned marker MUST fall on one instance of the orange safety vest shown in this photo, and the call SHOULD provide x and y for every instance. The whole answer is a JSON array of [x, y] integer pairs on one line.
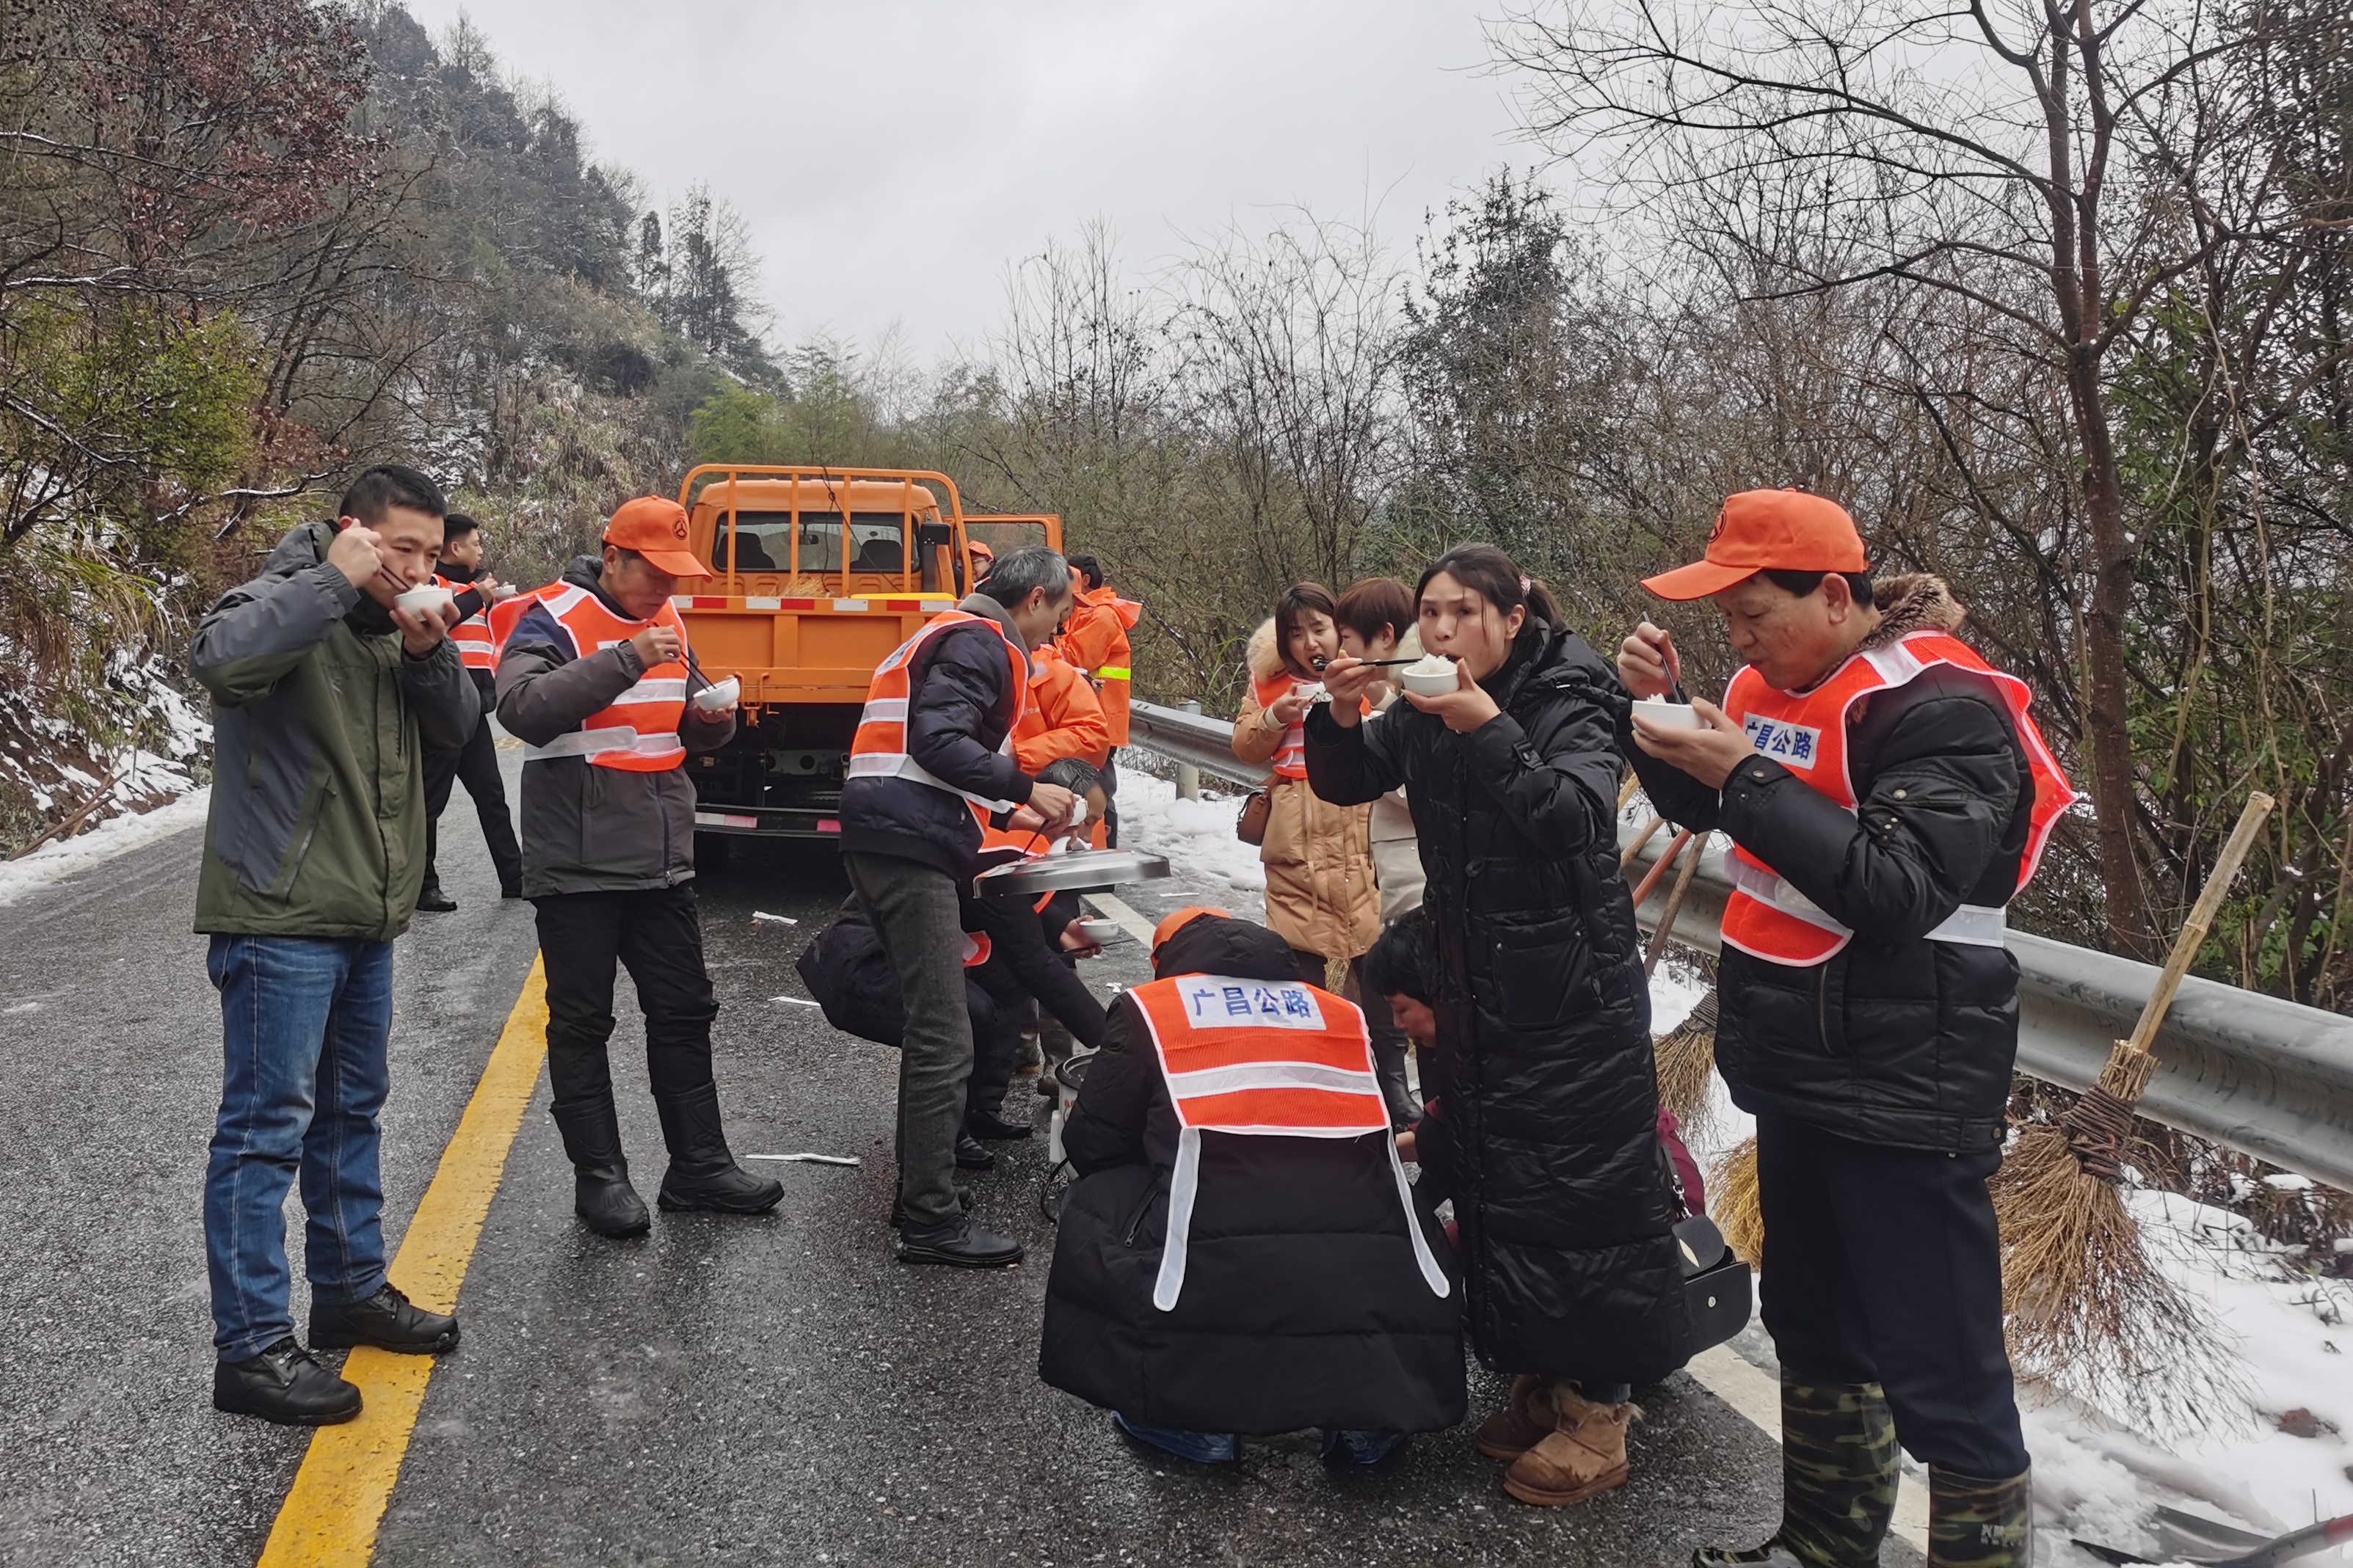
[[472, 635], [1264, 1058], [1064, 717], [1290, 760], [638, 731], [1768, 918], [505, 616], [879, 750], [1097, 644], [975, 949]]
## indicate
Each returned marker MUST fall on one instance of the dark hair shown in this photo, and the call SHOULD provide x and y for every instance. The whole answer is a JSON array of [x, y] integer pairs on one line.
[[1490, 573], [1299, 600], [1090, 568], [1404, 963], [1013, 578], [1374, 604], [456, 525], [1803, 583], [622, 554], [1074, 773], [388, 485]]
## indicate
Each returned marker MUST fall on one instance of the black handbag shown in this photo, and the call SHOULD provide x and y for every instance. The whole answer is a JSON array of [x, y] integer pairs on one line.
[[1717, 1287]]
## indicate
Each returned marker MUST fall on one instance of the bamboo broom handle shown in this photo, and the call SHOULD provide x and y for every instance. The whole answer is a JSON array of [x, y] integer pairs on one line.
[[1650, 828], [2201, 917], [1667, 919], [1626, 791], [1651, 877]]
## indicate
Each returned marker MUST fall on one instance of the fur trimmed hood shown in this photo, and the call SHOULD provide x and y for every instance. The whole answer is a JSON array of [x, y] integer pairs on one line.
[[1913, 602]]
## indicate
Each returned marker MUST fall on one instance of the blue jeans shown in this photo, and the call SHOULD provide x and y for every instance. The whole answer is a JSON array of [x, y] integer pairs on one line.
[[304, 1023]]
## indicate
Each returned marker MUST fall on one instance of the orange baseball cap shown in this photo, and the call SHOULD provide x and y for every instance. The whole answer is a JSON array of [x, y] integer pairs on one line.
[[1182, 919], [656, 528], [1757, 531]]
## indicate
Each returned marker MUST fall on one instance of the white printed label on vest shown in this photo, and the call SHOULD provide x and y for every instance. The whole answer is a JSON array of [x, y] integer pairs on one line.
[[1793, 746], [1215, 1002]]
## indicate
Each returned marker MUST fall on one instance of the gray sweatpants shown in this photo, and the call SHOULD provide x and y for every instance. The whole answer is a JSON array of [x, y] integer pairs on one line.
[[913, 908]]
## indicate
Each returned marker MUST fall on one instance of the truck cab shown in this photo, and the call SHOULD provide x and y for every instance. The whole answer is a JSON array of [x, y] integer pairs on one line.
[[821, 573]]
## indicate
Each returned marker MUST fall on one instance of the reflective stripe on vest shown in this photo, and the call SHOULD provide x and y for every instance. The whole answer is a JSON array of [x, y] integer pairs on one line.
[[1290, 759], [1268, 1059], [638, 730], [880, 747], [1768, 918], [1113, 672], [476, 650]]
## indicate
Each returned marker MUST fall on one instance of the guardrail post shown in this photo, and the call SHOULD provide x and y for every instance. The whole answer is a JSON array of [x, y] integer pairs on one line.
[[1189, 777]]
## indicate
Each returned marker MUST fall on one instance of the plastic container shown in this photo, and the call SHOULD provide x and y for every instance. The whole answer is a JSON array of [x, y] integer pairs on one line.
[[1661, 714]]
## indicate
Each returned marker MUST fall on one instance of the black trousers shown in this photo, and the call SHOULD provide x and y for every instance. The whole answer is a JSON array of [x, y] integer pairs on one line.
[[1882, 1266], [656, 934], [1110, 771], [476, 762]]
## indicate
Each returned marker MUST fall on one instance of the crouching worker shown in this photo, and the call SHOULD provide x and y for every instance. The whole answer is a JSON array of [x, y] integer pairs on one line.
[[1240, 1256], [597, 679]]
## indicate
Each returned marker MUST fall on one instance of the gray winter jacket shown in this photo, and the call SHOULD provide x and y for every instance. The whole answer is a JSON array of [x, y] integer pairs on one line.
[[319, 716], [587, 829]]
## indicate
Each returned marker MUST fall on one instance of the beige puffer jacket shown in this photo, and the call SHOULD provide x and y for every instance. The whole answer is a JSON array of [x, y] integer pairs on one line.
[[1320, 893]]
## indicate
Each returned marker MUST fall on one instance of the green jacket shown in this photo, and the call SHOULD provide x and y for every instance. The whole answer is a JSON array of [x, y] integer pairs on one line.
[[318, 806]]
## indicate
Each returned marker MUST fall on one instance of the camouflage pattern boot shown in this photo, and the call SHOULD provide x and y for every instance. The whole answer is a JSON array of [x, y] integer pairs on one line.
[[1521, 1424], [1839, 1465], [1980, 1524]]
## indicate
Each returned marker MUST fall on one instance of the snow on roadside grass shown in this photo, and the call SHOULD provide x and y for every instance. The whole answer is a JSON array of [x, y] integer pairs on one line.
[[113, 837]]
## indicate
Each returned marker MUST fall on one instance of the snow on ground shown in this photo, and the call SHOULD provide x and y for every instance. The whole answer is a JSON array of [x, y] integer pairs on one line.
[[1197, 838], [109, 839]]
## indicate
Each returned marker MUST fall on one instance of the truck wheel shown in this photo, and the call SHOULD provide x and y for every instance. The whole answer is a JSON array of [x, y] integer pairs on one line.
[[711, 851]]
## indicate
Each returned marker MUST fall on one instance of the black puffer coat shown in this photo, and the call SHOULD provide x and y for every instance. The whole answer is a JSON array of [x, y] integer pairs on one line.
[[1543, 1072], [1303, 1303], [1897, 1040]]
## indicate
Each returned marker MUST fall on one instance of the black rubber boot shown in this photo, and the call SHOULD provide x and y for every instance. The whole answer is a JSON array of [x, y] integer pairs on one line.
[[1978, 1524], [702, 1175], [601, 1193], [1838, 1461]]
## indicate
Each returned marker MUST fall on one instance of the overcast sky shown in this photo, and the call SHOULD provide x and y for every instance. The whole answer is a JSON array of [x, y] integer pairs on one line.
[[893, 156]]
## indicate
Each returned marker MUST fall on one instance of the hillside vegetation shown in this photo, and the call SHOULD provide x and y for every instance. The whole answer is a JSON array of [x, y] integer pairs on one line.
[[2062, 318]]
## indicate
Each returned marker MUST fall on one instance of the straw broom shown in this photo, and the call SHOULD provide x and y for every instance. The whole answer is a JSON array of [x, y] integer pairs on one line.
[[2090, 1311], [1685, 1053]]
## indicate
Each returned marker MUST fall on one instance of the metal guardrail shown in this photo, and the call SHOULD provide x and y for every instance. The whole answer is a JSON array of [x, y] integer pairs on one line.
[[2267, 1077]]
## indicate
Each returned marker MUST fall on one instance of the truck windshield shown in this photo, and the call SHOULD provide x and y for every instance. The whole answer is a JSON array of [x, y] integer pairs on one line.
[[764, 542]]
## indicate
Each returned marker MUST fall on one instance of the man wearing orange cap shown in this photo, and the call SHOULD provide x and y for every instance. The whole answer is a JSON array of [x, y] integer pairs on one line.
[[1886, 794], [597, 679]]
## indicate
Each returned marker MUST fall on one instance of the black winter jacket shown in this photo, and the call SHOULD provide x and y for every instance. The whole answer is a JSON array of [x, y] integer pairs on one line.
[[1302, 1304], [961, 704], [587, 829], [1544, 1065], [1897, 1039]]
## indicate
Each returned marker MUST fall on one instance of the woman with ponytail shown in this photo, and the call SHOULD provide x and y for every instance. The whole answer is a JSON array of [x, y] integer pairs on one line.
[[1543, 1058]]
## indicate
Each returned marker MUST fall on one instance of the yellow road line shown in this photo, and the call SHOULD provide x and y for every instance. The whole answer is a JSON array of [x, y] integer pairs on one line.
[[332, 1512]]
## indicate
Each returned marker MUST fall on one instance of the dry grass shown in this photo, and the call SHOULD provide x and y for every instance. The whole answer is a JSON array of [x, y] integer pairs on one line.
[[1686, 1060], [1732, 1193]]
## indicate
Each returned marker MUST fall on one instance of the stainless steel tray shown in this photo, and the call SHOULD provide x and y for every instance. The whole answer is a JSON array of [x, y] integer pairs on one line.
[[1080, 869]]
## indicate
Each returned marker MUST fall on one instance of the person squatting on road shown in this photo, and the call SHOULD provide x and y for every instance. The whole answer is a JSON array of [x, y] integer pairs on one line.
[[597, 681], [1095, 640], [931, 769], [1318, 854], [324, 695], [1241, 1254], [1887, 795], [475, 763], [1544, 1063]]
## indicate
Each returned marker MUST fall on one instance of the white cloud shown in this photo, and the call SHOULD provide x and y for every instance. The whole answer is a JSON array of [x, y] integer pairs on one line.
[[893, 158]]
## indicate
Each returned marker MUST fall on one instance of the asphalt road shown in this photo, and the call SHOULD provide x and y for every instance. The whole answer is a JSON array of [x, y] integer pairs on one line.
[[769, 1390]]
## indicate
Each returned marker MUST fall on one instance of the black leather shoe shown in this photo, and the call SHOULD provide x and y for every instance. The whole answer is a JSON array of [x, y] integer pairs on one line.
[[981, 1124], [284, 1384], [702, 1175], [434, 901], [971, 1156], [965, 1246], [606, 1204], [388, 1320], [898, 1207]]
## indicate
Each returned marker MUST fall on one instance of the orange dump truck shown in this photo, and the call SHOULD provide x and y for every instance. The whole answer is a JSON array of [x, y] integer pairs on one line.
[[821, 572]]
